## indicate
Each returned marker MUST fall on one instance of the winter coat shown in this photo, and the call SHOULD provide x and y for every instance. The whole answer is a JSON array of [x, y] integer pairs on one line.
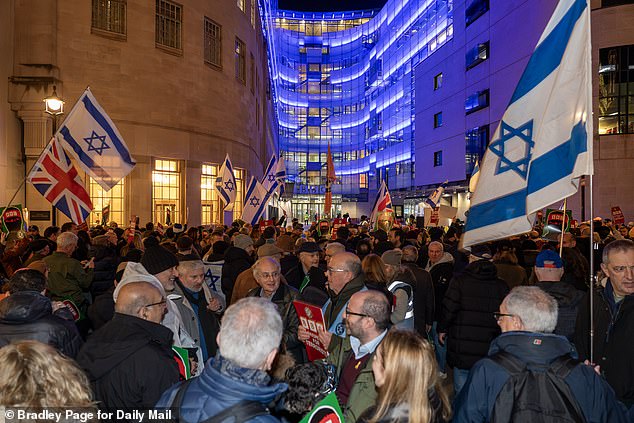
[[67, 278], [104, 272], [101, 310], [221, 385], [400, 413], [441, 273], [568, 300], [423, 298], [296, 275], [28, 315], [236, 261], [513, 274], [613, 345], [467, 313], [283, 299], [595, 398], [129, 362], [333, 309]]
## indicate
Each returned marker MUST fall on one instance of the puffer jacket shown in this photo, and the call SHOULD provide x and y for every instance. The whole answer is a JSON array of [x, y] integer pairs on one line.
[[28, 315]]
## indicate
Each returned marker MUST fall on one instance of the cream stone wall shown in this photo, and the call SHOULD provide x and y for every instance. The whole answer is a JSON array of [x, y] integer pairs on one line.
[[166, 105]]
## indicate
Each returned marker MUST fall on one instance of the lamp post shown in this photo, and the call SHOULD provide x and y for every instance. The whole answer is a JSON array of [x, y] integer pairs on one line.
[[54, 106]]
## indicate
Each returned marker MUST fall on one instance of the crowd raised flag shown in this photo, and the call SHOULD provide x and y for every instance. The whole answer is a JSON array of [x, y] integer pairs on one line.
[[55, 177], [255, 202], [434, 199], [93, 139], [382, 205], [331, 177], [280, 175], [226, 184], [543, 144]]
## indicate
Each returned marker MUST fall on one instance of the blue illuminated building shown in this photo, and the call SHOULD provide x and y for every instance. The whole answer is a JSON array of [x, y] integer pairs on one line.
[[346, 79]]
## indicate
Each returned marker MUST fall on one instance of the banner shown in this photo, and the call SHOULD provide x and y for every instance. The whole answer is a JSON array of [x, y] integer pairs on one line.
[[312, 319], [12, 218], [617, 216], [554, 221], [326, 411]]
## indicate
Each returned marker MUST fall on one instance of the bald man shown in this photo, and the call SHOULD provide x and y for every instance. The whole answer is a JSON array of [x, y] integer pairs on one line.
[[123, 356]]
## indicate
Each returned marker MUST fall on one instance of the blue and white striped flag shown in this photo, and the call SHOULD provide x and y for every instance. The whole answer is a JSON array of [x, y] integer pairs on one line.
[[544, 141], [280, 175], [226, 184], [255, 202], [269, 180], [93, 139], [434, 198]]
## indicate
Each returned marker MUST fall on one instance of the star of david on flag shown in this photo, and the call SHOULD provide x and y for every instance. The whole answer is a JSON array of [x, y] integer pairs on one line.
[[94, 140], [543, 144], [255, 202], [280, 175], [226, 184], [55, 177], [269, 180]]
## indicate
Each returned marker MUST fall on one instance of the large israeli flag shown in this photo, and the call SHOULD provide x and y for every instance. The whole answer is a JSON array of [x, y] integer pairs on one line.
[[269, 180], [255, 202], [544, 141], [226, 184], [93, 139]]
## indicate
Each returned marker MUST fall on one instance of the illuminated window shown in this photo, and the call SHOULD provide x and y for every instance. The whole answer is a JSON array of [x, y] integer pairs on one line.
[[169, 23], [477, 101], [363, 180], [241, 65], [210, 201], [616, 90], [475, 9], [240, 175], [437, 81], [101, 198], [253, 8], [438, 158], [477, 55], [166, 195], [252, 66], [213, 43], [109, 15], [241, 4]]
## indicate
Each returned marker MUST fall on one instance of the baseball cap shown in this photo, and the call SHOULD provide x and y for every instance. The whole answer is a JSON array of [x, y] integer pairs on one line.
[[549, 259]]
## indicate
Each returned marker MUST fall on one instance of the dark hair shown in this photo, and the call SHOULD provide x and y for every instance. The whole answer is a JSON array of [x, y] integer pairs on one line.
[[377, 307], [68, 226], [27, 280], [364, 247], [308, 383], [269, 232], [398, 232], [343, 233], [149, 226], [51, 230]]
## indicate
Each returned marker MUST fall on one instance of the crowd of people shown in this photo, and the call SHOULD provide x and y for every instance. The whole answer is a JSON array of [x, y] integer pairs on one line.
[[200, 322]]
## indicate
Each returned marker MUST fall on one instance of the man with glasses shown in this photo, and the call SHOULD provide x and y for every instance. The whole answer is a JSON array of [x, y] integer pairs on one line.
[[531, 372], [613, 321], [367, 318], [266, 272], [129, 360]]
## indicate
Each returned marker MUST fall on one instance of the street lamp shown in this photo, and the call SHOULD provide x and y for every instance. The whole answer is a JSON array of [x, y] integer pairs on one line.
[[54, 107]]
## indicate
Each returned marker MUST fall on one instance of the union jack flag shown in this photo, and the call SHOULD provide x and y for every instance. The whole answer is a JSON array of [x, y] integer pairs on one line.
[[55, 177]]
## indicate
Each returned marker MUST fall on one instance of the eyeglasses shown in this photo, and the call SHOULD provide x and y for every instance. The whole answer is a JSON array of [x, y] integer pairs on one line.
[[162, 302], [333, 270], [272, 275], [356, 314], [497, 315]]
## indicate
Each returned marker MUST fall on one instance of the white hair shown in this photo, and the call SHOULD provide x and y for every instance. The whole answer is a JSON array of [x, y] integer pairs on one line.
[[190, 265], [536, 309], [66, 239], [250, 330], [258, 263], [335, 247]]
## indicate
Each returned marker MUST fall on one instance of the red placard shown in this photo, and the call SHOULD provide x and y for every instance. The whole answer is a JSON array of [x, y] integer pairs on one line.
[[265, 223], [312, 319], [435, 217], [617, 216]]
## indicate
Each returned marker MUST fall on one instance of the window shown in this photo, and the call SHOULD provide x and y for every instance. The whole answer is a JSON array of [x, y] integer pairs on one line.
[[240, 175], [101, 198], [241, 65], [475, 9], [109, 15], [252, 66], [476, 141], [213, 43], [253, 9], [210, 201], [169, 22], [241, 4], [477, 55], [438, 158], [476, 101], [616, 90], [438, 120], [437, 81], [166, 192]]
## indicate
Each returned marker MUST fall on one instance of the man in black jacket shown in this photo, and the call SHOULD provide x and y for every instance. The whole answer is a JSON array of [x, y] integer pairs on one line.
[[28, 315], [237, 260], [129, 361], [423, 292]]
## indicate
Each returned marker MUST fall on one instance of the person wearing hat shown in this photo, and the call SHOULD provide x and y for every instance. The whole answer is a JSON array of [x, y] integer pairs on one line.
[[307, 272], [186, 250], [39, 249], [466, 319], [402, 315], [246, 281], [238, 258], [549, 269]]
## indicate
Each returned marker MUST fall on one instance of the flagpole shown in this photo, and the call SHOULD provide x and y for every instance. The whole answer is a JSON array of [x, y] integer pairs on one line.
[[563, 229], [591, 271]]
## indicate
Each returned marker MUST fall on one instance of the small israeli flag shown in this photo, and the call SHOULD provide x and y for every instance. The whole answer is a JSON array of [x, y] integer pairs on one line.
[[280, 175], [434, 198], [269, 180], [255, 202], [93, 139], [226, 184], [543, 144]]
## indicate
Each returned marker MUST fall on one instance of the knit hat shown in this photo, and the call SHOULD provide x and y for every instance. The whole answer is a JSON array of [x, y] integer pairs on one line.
[[177, 228], [481, 251], [242, 241], [268, 250], [157, 259], [549, 259], [309, 247], [392, 257]]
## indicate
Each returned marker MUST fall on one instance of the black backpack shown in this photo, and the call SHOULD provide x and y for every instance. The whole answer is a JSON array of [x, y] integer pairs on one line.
[[536, 393]]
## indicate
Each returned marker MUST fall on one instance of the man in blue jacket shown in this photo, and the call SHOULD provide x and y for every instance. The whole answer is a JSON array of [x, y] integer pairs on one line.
[[528, 317], [248, 341]]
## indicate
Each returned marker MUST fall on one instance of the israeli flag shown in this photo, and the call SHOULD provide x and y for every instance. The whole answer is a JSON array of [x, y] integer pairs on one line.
[[255, 202], [93, 139], [269, 180], [226, 184], [544, 141], [280, 175], [434, 198]]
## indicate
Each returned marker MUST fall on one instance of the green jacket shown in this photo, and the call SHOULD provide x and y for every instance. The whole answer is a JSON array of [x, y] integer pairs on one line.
[[363, 394], [67, 278]]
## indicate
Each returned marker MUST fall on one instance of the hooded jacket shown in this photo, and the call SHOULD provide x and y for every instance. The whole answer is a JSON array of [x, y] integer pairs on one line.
[[568, 299], [594, 396], [441, 273], [28, 315], [467, 313], [129, 362], [237, 261]]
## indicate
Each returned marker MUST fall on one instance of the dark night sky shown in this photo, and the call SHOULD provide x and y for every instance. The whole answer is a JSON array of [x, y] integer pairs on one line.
[[330, 5]]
